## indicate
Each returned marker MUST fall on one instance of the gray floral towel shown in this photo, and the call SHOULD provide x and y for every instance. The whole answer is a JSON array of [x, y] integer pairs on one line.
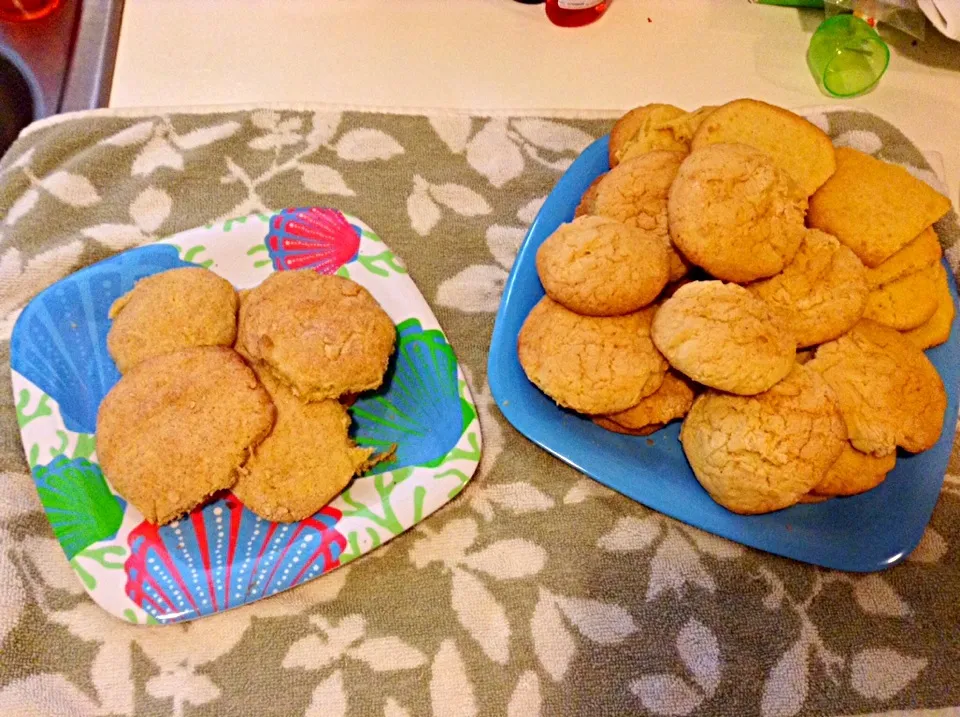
[[536, 591]]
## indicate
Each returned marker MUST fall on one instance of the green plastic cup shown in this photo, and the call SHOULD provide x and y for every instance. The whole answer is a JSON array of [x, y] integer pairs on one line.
[[847, 56]]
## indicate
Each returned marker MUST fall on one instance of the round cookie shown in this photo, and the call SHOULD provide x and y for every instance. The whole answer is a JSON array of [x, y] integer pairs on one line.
[[889, 392], [907, 302], [671, 401], [305, 462], [854, 472], [173, 310], [821, 293], [594, 365], [323, 336], [635, 193], [724, 337], [733, 212], [600, 267], [177, 427], [762, 453], [638, 132]]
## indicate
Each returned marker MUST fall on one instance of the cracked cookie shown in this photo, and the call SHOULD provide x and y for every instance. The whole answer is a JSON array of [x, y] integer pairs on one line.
[[733, 212], [635, 193], [762, 453], [890, 394], [821, 293], [173, 310], [724, 337], [639, 131], [177, 427], [600, 267], [324, 336], [594, 365]]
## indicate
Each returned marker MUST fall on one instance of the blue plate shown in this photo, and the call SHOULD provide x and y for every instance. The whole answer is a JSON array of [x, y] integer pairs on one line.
[[864, 533]]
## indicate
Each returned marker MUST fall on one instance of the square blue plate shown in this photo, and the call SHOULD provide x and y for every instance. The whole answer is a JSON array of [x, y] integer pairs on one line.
[[864, 533]]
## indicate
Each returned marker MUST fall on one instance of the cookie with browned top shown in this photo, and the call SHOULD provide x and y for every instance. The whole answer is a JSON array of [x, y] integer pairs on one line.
[[640, 131], [936, 330], [177, 427], [324, 336], [889, 392], [762, 453], [669, 402], [173, 310], [854, 472], [600, 267], [733, 212], [305, 462], [723, 336], [592, 364], [874, 207], [907, 302], [798, 147], [821, 293]]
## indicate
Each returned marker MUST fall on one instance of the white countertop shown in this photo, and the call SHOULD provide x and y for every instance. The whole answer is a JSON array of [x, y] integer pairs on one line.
[[498, 54]]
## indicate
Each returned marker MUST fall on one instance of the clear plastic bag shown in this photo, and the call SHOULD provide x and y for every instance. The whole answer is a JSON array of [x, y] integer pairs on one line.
[[904, 15]]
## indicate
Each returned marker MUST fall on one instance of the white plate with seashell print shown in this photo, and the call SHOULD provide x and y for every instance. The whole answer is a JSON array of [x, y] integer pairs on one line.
[[222, 555]]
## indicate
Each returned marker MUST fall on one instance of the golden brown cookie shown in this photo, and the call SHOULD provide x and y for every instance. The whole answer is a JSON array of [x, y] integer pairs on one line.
[[170, 311], [591, 364], [639, 131], [589, 198], [635, 193], [323, 336], [762, 453], [854, 472], [873, 207], [937, 328], [799, 148], [615, 427], [920, 253], [821, 293], [907, 302], [733, 212], [177, 427], [669, 402], [724, 337], [890, 394], [599, 267], [305, 462]]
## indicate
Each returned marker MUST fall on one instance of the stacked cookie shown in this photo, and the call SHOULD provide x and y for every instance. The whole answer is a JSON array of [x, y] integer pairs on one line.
[[721, 242], [207, 403]]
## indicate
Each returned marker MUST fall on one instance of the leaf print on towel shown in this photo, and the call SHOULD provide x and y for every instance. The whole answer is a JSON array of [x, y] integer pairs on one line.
[[20, 280], [451, 692], [162, 146], [366, 145], [553, 642], [74, 190], [669, 694], [880, 673], [423, 204], [149, 210], [477, 608], [497, 149], [336, 644], [477, 289]]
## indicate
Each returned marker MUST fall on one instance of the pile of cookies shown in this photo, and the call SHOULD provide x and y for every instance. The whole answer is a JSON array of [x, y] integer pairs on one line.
[[209, 402], [735, 270]]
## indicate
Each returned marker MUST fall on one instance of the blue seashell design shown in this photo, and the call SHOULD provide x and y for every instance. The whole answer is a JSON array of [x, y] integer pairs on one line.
[[223, 556], [79, 505], [418, 408], [60, 340]]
